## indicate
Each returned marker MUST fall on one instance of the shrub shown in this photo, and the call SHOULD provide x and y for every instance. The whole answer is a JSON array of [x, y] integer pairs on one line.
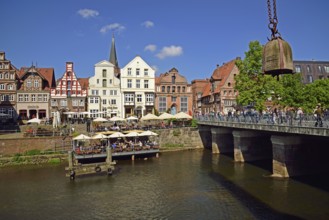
[[32, 152], [176, 132]]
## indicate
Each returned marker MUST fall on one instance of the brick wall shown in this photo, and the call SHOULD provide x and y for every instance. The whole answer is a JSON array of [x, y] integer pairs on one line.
[[21, 145]]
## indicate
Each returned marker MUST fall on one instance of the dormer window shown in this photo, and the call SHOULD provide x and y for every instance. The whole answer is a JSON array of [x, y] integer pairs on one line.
[[173, 79]]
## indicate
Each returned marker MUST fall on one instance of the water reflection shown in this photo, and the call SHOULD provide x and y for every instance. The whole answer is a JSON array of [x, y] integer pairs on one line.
[[178, 185]]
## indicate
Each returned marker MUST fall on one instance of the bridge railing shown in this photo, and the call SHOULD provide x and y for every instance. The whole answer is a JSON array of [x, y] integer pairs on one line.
[[306, 120]]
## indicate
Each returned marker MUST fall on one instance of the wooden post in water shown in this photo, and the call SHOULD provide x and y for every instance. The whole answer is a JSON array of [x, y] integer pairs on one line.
[[70, 153], [109, 155]]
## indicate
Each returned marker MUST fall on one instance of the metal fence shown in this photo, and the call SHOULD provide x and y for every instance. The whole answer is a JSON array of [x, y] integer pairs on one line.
[[305, 120]]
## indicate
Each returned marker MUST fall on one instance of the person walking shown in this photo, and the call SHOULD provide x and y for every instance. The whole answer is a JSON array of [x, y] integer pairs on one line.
[[318, 114], [88, 124], [299, 116]]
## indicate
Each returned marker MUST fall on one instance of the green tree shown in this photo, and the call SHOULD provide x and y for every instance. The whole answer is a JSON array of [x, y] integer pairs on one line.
[[290, 91], [253, 86], [316, 92]]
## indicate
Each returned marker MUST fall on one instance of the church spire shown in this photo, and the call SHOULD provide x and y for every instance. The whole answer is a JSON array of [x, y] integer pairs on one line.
[[113, 54]]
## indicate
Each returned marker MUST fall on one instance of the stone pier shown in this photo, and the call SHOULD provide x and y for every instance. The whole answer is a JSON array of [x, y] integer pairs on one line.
[[251, 146], [205, 134], [222, 140]]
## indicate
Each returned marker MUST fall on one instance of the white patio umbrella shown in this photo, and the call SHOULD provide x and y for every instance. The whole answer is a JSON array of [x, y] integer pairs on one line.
[[34, 120], [99, 136], [132, 134], [116, 135], [149, 116], [100, 119], [148, 133], [132, 118], [166, 115], [82, 137], [183, 115], [116, 118]]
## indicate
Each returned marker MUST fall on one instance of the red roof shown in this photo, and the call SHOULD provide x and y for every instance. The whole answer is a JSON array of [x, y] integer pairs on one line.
[[47, 74], [84, 82]]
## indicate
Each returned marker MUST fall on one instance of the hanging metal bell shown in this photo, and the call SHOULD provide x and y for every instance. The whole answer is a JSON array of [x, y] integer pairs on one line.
[[277, 57]]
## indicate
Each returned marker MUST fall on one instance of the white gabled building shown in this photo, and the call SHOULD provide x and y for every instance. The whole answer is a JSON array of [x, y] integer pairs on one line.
[[137, 88], [104, 98]]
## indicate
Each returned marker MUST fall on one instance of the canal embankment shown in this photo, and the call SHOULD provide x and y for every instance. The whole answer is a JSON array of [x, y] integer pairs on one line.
[[18, 149]]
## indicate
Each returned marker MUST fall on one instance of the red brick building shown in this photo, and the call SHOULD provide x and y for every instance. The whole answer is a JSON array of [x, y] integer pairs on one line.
[[219, 94], [173, 93]]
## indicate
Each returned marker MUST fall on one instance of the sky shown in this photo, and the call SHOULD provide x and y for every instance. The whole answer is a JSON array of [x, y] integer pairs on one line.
[[192, 36]]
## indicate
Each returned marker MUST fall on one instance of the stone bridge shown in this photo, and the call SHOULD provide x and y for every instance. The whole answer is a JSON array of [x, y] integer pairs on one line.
[[294, 150]]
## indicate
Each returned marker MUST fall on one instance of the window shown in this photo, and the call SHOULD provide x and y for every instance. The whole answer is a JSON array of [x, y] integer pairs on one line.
[[110, 81], [183, 89], [320, 69], [149, 97], [129, 97], [20, 98], [96, 100], [75, 102], [162, 104], [39, 98], [82, 102], [173, 79], [33, 97], [63, 102], [69, 85], [298, 69], [173, 88], [129, 72], [178, 89], [104, 101], [326, 69], [113, 101], [1, 76], [12, 76], [2, 86], [7, 75], [146, 84], [104, 73], [168, 89], [173, 98], [146, 72], [26, 98], [310, 78], [94, 92], [139, 98], [183, 104], [163, 88], [28, 83], [113, 92], [138, 83], [308, 68], [45, 98], [137, 71], [104, 82], [53, 102], [129, 83], [104, 92], [97, 81]]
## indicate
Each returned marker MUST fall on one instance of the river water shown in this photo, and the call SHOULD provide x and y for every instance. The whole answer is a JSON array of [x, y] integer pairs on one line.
[[178, 185]]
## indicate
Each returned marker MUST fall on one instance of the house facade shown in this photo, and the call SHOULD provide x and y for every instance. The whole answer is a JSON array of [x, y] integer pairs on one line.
[[198, 86], [33, 92], [312, 70], [104, 98], [8, 87], [173, 93], [137, 87], [70, 93], [219, 94]]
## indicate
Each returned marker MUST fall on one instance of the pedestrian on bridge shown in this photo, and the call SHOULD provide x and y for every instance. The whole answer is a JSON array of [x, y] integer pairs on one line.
[[318, 114]]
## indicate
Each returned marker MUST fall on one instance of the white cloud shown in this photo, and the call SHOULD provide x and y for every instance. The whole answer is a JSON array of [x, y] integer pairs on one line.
[[171, 51], [150, 47], [112, 27], [148, 24], [87, 13]]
